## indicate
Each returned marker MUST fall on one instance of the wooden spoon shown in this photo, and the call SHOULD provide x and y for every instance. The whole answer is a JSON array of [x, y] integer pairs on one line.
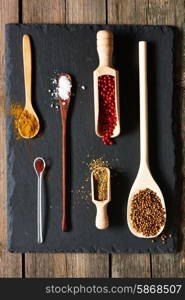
[[102, 220], [27, 64], [105, 50], [144, 177], [64, 106]]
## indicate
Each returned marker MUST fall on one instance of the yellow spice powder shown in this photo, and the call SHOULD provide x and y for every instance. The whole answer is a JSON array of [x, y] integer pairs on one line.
[[100, 184], [28, 124], [15, 111]]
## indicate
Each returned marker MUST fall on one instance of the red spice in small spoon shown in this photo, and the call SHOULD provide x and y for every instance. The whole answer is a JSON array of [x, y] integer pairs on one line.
[[39, 165]]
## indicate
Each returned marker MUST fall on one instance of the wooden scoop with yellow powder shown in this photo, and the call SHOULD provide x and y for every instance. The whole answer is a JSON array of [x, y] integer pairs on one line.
[[28, 124], [101, 195]]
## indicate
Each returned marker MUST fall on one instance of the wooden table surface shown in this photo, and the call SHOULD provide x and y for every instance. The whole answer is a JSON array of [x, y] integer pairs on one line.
[[170, 12]]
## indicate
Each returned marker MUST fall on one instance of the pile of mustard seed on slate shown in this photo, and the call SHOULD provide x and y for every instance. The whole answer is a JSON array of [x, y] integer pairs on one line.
[[98, 163], [147, 213]]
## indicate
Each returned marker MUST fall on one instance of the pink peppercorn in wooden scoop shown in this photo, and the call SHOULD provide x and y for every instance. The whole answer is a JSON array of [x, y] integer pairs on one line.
[[106, 90]]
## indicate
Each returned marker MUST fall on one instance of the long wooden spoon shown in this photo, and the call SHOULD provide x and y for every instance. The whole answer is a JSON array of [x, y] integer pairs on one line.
[[64, 106], [105, 50], [28, 109], [144, 177]]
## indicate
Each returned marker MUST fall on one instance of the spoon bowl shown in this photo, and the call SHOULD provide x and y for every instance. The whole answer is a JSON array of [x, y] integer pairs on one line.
[[40, 200], [34, 165], [143, 181], [29, 110]]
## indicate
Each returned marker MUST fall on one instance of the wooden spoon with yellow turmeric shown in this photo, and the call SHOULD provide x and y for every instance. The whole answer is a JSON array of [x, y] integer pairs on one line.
[[28, 124]]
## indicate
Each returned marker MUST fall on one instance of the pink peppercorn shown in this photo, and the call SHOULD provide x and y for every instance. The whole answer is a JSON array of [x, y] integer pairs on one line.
[[107, 108]]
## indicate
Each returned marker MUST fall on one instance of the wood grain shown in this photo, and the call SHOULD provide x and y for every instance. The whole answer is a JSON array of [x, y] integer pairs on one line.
[[10, 264], [131, 265], [43, 11], [86, 11], [65, 265], [127, 11], [64, 114], [171, 12], [123, 12]]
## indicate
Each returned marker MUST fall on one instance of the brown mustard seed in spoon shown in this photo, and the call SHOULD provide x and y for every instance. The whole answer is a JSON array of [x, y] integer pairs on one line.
[[147, 213], [101, 184]]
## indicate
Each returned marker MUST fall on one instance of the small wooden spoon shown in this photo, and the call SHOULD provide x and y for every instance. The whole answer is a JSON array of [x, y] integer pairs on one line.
[[144, 177], [105, 50], [102, 220], [64, 106], [27, 63]]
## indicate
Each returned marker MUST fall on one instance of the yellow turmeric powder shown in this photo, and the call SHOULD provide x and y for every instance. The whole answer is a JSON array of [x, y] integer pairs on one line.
[[16, 110], [28, 124]]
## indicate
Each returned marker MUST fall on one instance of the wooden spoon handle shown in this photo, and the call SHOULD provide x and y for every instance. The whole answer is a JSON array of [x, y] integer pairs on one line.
[[102, 220], [64, 157], [64, 112], [143, 89], [27, 63], [105, 47]]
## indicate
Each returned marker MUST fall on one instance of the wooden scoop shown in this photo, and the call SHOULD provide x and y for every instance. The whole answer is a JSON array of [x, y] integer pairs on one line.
[[144, 177], [27, 64], [105, 50], [102, 220]]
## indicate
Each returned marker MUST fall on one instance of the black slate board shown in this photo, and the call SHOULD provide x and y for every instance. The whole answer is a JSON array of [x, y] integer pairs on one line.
[[72, 49]]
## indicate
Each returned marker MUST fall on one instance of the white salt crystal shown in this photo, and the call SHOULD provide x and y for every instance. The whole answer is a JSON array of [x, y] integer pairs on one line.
[[64, 87]]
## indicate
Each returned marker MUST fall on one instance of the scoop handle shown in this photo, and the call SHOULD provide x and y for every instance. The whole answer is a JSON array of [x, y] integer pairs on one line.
[[102, 220], [27, 63], [105, 47]]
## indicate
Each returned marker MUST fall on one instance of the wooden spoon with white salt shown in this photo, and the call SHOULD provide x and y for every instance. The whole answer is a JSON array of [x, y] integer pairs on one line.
[[64, 93]]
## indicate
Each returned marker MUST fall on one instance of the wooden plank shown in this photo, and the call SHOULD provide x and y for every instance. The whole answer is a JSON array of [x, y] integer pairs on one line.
[[129, 12], [161, 12], [171, 12], [10, 264], [65, 265], [86, 11], [43, 11], [131, 265]]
